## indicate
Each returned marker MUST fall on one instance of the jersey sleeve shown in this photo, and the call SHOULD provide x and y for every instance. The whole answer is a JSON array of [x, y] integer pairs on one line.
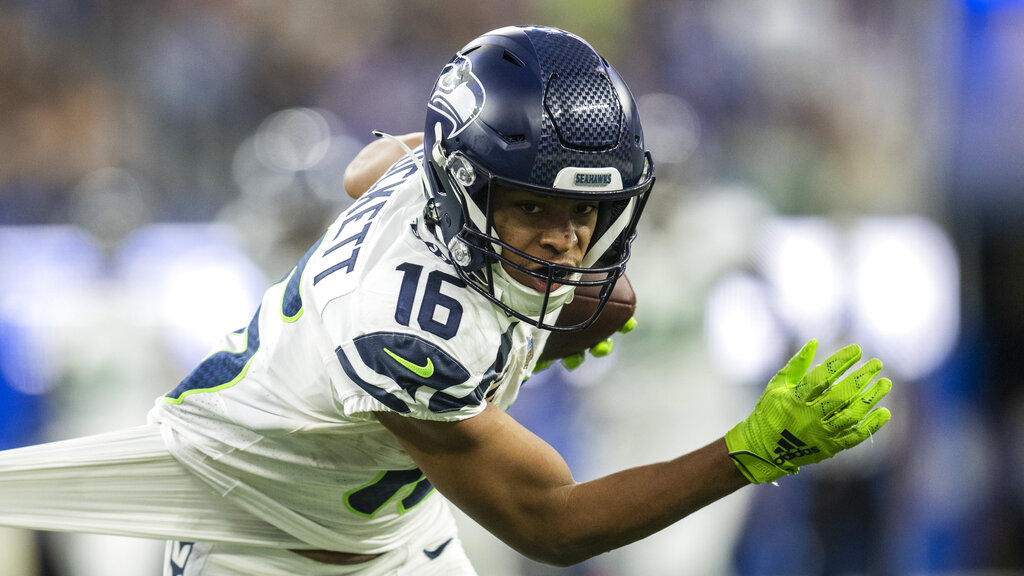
[[410, 375], [429, 374]]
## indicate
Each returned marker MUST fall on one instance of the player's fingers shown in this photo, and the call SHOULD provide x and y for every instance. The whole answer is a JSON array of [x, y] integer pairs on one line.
[[865, 428], [573, 362], [859, 406], [602, 348], [841, 393], [542, 365], [872, 395], [628, 326], [800, 362], [823, 375]]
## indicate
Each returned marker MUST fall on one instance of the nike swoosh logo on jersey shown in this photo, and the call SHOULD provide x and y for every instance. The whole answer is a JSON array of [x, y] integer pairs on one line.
[[425, 371], [437, 551]]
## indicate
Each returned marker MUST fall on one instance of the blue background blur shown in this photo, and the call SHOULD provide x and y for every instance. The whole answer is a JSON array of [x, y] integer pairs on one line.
[[844, 170]]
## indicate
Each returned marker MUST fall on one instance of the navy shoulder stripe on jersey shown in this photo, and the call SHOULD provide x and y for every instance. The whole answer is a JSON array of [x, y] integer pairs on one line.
[[412, 363]]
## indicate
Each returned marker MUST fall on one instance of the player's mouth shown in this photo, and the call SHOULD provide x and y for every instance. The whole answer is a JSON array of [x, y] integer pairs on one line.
[[541, 284]]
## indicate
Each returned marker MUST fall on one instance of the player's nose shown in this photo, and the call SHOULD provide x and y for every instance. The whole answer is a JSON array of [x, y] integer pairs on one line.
[[559, 234]]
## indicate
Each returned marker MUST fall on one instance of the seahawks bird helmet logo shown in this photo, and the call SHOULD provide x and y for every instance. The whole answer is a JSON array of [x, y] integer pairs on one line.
[[458, 95]]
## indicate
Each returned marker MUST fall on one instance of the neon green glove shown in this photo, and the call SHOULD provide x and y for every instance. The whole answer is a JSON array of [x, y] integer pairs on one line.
[[602, 348], [803, 418]]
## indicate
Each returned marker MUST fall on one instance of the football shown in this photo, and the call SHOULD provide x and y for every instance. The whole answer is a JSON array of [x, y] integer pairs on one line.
[[619, 309]]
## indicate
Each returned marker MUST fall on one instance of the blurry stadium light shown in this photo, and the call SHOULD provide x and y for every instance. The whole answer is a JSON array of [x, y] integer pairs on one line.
[[801, 262], [294, 139], [47, 272], [906, 292], [325, 179], [109, 203], [890, 284], [199, 284], [253, 178], [295, 151], [744, 338], [672, 130]]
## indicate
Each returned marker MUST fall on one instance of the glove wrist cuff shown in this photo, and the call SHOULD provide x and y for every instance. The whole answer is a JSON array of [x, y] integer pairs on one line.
[[755, 468]]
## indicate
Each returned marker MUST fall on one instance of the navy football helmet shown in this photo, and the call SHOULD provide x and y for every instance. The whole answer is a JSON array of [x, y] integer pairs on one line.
[[536, 109]]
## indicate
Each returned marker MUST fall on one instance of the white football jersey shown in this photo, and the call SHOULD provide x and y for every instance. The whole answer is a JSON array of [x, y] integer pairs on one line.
[[373, 318]]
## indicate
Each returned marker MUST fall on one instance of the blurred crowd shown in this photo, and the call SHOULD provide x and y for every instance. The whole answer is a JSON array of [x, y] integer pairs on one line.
[[841, 169]]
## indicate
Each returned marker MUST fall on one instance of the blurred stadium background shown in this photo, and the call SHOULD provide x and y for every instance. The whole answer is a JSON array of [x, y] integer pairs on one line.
[[847, 170]]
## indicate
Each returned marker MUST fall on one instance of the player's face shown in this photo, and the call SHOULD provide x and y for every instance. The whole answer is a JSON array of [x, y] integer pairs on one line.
[[554, 229]]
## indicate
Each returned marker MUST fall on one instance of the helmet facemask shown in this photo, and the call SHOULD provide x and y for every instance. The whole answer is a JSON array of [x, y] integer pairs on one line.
[[484, 260]]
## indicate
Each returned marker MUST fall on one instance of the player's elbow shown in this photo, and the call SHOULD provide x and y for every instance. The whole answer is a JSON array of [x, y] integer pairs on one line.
[[552, 556], [554, 531], [555, 549], [559, 559]]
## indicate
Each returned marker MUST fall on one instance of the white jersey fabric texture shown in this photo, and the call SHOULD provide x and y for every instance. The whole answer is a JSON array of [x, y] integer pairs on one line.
[[122, 483], [126, 483], [279, 420]]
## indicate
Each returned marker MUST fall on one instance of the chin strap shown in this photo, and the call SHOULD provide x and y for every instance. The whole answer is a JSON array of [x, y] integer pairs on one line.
[[412, 156], [598, 248]]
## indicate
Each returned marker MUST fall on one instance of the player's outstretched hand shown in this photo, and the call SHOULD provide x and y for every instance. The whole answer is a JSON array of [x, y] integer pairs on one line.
[[805, 417]]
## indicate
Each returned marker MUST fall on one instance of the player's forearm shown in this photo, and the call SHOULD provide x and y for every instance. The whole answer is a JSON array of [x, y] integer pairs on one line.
[[567, 524], [520, 489], [616, 510]]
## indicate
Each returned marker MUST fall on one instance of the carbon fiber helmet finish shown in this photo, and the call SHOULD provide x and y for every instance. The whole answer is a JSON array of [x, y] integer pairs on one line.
[[521, 106]]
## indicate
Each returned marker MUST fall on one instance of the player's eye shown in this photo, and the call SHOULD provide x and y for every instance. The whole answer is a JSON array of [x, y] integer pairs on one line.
[[530, 208], [585, 208]]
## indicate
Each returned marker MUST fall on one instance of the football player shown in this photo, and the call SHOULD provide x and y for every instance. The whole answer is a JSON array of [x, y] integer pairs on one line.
[[369, 389]]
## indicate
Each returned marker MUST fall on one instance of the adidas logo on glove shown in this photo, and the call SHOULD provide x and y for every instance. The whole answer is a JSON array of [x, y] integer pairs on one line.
[[791, 447]]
